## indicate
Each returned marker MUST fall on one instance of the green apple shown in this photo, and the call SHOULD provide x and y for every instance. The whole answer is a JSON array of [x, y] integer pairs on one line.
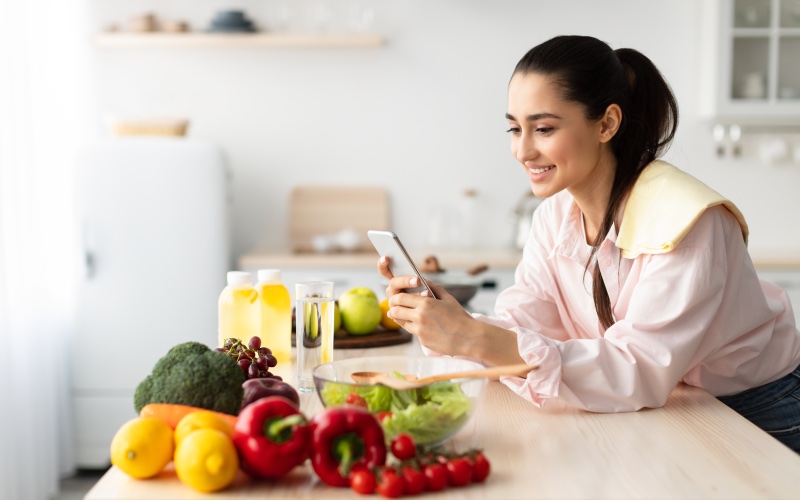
[[360, 310], [337, 317]]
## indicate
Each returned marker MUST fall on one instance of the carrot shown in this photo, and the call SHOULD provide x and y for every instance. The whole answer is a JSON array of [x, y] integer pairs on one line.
[[171, 414]]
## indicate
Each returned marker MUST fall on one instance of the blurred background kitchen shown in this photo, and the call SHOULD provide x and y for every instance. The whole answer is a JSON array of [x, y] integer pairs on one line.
[[147, 146]]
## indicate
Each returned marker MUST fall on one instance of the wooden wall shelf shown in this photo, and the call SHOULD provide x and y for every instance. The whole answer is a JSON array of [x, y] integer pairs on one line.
[[234, 40]]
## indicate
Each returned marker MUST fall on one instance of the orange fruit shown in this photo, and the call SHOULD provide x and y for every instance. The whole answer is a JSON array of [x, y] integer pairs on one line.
[[386, 321]]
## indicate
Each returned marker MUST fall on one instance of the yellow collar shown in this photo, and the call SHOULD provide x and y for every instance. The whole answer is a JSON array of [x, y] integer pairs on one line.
[[662, 207]]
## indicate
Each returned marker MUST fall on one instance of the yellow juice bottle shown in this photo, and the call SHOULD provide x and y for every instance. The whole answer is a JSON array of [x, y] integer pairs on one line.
[[276, 314], [239, 315]]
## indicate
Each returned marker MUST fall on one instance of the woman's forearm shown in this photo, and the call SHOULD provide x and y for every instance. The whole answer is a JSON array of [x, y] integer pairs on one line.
[[494, 345]]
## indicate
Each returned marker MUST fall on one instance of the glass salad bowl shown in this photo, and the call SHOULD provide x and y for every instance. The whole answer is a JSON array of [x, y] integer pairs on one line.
[[431, 414]]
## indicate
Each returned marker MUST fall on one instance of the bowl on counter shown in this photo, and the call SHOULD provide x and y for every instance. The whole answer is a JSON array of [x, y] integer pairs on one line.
[[431, 414], [462, 286]]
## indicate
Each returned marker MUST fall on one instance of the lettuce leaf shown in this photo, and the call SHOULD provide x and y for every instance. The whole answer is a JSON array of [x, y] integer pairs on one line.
[[429, 423], [378, 397], [429, 414]]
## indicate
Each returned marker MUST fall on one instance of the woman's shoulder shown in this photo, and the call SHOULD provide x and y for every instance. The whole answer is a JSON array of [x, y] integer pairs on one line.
[[663, 207]]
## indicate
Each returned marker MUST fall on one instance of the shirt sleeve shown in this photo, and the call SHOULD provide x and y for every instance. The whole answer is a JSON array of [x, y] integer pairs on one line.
[[638, 360], [528, 308]]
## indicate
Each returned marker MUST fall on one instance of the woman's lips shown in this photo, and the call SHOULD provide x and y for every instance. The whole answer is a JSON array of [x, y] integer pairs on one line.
[[541, 170], [538, 174]]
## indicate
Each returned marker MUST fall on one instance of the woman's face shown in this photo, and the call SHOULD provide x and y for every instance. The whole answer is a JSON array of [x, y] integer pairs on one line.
[[555, 143]]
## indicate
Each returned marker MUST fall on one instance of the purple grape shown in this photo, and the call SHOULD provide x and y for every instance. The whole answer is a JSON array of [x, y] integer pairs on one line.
[[255, 343], [271, 361], [278, 377], [265, 350], [253, 371], [244, 363], [220, 349], [261, 361]]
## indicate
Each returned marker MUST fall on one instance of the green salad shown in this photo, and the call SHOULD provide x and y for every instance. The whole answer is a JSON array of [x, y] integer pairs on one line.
[[429, 414]]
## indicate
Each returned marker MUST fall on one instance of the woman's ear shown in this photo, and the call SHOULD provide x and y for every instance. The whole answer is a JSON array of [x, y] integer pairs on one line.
[[610, 122]]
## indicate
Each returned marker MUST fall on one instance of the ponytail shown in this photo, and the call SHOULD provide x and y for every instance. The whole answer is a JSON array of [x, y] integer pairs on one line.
[[590, 73]]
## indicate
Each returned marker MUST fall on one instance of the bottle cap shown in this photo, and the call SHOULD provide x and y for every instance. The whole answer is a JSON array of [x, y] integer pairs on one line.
[[269, 275], [239, 278]]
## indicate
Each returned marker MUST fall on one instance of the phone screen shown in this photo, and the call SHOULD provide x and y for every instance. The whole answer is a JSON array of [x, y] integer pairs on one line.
[[400, 264]]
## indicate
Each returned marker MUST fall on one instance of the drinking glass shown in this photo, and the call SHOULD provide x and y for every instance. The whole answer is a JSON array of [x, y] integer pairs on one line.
[[314, 326]]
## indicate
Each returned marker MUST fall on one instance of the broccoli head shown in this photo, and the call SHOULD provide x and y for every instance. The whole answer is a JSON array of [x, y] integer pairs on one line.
[[192, 374]]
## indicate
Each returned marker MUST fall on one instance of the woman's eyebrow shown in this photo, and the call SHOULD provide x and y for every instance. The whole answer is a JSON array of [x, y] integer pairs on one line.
[[533, 118]]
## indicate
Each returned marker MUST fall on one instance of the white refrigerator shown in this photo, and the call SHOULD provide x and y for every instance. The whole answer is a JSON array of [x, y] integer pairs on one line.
[[153, 214]]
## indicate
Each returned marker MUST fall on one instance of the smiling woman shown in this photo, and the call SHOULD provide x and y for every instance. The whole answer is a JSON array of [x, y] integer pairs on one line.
[[39, 129], [635, 276]]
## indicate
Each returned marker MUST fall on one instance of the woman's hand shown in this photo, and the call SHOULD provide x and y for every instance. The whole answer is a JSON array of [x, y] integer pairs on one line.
[[443, 325], [430, 319]]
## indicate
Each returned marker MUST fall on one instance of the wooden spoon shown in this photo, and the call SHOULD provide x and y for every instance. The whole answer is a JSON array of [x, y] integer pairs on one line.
[[374, 378]]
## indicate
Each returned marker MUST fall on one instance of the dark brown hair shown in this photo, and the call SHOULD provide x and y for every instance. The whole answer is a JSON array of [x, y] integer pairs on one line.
[[589, 72]]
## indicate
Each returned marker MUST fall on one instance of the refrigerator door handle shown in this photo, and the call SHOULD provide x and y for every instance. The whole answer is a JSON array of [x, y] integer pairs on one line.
[[88, 250]]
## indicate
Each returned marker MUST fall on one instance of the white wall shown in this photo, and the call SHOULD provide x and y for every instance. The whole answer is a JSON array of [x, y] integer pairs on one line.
[[422, 116]]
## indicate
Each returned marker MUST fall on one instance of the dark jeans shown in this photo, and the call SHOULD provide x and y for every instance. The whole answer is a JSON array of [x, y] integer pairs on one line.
[[774, 407]]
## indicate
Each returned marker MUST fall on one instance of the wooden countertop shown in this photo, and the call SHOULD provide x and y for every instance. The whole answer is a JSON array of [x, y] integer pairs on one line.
[[449, 258], [497, 258], [693, 447]]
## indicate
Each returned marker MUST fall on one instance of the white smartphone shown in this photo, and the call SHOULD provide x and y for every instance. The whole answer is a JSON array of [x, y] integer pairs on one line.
[[400, 264]]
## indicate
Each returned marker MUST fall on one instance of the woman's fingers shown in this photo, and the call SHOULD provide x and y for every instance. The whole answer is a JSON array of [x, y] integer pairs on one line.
[[383, 267], [438, 290], [400, 284]]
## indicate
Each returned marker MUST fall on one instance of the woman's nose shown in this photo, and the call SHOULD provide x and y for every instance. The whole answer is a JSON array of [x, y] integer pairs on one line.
[[525, 149]]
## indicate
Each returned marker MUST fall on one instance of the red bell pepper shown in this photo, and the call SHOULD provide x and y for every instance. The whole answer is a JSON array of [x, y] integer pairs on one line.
[[272, 437], [343, 440]]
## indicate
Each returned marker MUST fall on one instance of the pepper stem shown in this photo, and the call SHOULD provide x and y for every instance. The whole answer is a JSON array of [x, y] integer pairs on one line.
[[348, 449], [279, 430]]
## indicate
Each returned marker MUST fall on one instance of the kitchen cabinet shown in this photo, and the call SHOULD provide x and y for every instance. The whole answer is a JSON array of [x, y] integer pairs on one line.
[[749, 62], [348, 270]]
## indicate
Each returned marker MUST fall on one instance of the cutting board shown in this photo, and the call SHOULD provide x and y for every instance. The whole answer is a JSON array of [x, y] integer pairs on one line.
[[326, 210], [379, 338]]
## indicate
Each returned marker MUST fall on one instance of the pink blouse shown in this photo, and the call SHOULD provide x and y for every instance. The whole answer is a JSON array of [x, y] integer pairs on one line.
[[698, 314]]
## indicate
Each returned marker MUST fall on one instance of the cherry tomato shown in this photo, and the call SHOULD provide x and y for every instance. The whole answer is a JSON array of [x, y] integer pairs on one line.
[[403, 447], [363, 482], [459, 471], [415, 480], [390, 484], [435, 477], [383, 415], [480, 468], [355, 399]]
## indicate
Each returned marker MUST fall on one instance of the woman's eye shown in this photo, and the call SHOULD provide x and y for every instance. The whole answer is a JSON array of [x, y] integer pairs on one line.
[[513, 130], [544, 130]]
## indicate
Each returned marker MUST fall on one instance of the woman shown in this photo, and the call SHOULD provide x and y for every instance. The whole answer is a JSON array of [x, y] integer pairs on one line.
[[636, 276]]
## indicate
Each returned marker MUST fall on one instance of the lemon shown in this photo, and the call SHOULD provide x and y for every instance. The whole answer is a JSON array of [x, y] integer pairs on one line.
[[142, 447], [206, 460], [386, 321], [201, 420]]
